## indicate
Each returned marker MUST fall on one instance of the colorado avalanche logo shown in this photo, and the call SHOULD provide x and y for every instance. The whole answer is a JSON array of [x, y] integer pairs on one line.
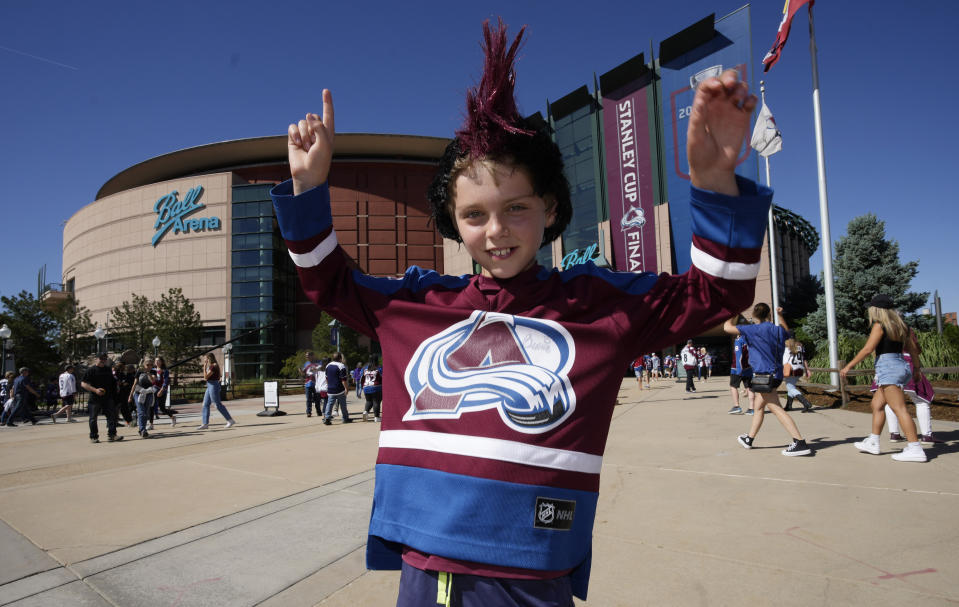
[[514, 364], [635, 217]]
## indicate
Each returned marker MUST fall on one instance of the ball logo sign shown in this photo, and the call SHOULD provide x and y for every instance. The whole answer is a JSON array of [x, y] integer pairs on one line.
[[516, 365], [172, 212]]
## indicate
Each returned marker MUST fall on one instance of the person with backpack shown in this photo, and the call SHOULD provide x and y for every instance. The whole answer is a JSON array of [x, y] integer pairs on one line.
[[794, 367], [142, 394], [373, 387], [336, 378]]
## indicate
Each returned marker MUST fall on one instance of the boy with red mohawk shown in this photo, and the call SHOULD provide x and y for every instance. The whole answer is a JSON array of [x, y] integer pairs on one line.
[[501, 386]]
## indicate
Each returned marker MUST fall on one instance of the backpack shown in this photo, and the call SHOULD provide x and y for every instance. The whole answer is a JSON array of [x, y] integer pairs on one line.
[[144, 381]]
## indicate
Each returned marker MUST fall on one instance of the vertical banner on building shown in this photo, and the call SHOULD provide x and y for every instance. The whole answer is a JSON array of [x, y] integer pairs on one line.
[[629, 182], [680, 76]]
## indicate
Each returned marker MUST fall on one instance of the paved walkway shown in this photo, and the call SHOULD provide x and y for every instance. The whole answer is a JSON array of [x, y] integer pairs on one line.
[[274, 511]]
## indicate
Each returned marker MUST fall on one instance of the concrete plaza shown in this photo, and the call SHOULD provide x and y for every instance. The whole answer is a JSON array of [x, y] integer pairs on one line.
[[274, 511]]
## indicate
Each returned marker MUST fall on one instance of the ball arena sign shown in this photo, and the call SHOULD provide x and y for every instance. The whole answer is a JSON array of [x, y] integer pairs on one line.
[[172, 212]]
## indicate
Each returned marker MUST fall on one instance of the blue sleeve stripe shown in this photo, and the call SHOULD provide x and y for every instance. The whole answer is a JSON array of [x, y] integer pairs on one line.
[[633, 284], [415, 280], [735, 221], [303, 216]]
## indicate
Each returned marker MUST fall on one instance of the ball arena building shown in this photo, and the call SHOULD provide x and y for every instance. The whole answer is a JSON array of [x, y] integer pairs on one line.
[[201, 218]]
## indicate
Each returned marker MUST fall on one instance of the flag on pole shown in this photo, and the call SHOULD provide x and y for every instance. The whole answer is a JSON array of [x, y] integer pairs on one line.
[[766, 139], [789, 11]]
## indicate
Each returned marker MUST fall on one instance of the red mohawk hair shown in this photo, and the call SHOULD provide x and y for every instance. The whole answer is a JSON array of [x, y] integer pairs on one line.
[[491, 114]]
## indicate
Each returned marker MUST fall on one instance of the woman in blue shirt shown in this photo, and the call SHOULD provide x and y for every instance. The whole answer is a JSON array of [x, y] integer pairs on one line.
[[767, 342]]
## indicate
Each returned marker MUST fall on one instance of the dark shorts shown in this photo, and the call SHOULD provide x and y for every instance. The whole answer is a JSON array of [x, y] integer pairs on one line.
[[419, 588], [68, 400], [736, 380]]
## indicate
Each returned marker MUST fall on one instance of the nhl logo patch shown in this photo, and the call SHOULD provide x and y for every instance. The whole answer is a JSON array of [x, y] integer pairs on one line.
[[554, 514]]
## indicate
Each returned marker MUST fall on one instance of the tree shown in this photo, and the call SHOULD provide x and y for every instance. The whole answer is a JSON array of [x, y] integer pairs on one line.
[[74, 326], [865, 263], [134, 323], [33, 334], [179, 328]]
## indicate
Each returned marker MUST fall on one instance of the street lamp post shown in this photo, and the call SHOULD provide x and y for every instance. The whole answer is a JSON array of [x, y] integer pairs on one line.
[[227, 350], [156, 346], [99, 333], [5, 333]]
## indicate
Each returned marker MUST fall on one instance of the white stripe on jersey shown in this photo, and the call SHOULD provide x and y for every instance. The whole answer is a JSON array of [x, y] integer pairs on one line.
[[318, 254], [492, 448], [731, 270]]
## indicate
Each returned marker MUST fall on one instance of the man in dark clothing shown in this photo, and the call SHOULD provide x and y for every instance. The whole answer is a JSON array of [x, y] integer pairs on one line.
[[99, 381], [22, 389]]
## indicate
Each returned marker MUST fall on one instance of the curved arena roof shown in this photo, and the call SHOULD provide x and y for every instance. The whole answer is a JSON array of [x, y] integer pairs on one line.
[[228, 155]]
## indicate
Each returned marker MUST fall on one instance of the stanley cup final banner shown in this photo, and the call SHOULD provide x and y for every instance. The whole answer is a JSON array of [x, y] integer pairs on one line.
[[728, 49], [629, 180]]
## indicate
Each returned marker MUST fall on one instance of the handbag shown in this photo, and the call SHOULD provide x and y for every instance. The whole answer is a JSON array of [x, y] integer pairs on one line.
[[762, 382]]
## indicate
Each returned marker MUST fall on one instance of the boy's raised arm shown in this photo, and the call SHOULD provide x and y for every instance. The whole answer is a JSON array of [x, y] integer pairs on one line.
[[717, 129], [310, 147]]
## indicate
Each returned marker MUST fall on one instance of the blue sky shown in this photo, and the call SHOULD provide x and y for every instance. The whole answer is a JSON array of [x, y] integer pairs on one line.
[[93, 88]]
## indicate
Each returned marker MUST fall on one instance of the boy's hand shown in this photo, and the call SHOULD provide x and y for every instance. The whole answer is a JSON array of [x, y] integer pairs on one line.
[[717, 129], [310, 144]]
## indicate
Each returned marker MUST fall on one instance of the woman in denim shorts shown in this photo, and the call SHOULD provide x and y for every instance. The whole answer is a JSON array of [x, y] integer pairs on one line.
[[886, 339]]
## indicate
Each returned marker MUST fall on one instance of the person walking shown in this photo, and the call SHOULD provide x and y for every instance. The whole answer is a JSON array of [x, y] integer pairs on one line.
[[124, 374], [211, 373], [99, 381], [921, 392], [357, 374], [20, 393], [142, 394], [794, 367], [308, 373], [740, 374], [336, 378], [690, 362], [162, 391], [888, 336], [373, 387], [68, 393], [766, 343]]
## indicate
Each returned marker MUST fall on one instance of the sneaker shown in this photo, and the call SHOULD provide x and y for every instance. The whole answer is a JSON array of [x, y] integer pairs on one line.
[[867, 446], [144, 434], [200, 427], [366, 416], [172, 421], [749, 411], [150, 426], [929, 439], [910, 454], [895, 437], [735, 411], [309, 415], [114, 439], [327, 422], [229, 424], [53, 418], [797, 447], [746, 441], [376, 419], [347, 421], [94, 440]]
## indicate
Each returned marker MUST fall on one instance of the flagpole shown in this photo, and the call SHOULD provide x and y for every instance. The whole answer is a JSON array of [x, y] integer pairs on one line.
[[773, 266], [824, 212]]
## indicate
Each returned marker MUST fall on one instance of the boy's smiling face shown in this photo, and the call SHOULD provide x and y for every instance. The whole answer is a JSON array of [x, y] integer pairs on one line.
[[499, 218]]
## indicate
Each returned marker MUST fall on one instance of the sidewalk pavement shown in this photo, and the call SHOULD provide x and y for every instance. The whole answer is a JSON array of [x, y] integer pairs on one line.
[[274, 511]]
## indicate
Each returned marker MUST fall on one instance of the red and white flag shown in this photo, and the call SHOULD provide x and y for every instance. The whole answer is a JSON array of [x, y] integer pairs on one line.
[[766, 139], [789, 11]]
